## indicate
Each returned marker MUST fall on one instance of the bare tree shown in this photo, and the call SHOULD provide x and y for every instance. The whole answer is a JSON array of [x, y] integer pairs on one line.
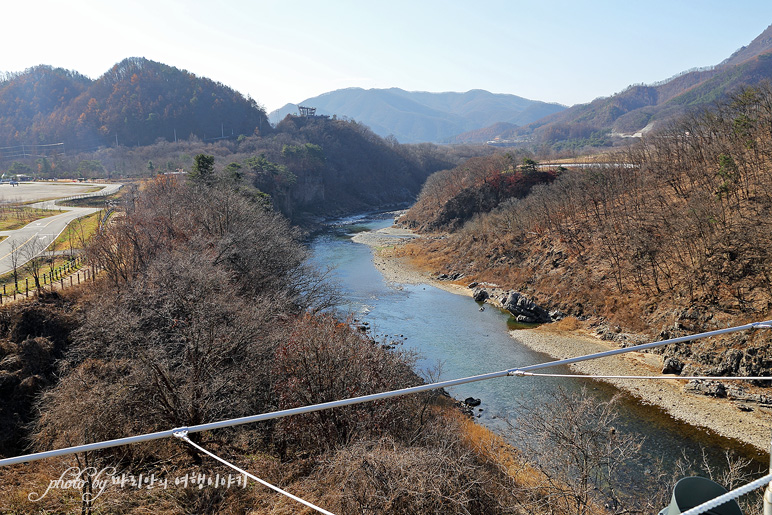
[[15, 255], [51, 252], [571, 440], [325, 360], [174, 347], [33, 254]]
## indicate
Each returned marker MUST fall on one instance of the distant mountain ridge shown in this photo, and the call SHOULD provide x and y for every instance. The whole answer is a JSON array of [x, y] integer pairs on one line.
[[641, 107], [760, 45], [418, 116]]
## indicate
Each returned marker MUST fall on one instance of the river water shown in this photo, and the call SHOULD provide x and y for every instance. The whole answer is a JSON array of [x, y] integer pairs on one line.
[[450, 329]]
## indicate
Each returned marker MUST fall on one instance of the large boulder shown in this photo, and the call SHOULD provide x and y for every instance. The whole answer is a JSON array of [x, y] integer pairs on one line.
[[710, 388], [672, 365], [480, 294], [524, 309]]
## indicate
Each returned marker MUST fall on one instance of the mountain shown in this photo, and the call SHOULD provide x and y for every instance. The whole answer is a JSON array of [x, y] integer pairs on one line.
[[640, 107], [760, 45], [136, 102], [417, 116], [497, 131]]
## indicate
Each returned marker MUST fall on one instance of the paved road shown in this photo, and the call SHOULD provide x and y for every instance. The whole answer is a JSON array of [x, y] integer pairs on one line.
[[33, 239]]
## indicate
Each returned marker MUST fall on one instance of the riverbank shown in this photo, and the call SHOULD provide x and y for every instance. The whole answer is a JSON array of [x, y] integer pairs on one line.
[[722, 416]]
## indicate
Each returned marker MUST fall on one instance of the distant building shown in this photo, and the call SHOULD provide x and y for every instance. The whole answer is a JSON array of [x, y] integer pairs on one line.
[[310, 112]]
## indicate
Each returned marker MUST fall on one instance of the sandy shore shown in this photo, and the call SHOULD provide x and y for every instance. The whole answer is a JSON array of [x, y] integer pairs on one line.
[[396, 269], [721, 416]]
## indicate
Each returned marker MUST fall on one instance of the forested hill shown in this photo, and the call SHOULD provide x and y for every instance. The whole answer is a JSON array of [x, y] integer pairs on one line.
[[321, 167], [136, 102], [667, 238]]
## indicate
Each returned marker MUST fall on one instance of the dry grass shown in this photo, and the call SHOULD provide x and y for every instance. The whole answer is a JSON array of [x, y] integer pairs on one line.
[[25, 278], [77, 232], [495, 450], [16, 217], [567, 324]]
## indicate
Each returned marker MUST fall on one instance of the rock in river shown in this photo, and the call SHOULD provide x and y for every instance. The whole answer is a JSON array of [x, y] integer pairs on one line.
[[480, 294], [524, 309]]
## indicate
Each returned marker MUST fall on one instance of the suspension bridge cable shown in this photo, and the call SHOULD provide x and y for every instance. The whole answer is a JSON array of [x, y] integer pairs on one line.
[[249, 419], [183, 435], [733, 494], [671, 377], [568, 361], [520, 371]]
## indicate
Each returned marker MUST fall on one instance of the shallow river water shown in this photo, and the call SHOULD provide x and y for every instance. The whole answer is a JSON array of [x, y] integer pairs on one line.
[[450, 329]]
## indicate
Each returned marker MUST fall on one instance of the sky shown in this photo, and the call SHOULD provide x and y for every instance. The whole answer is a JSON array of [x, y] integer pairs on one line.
[[286, 51]]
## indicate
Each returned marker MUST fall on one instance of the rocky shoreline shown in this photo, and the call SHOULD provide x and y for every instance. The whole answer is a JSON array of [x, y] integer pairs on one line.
[[747, 423]]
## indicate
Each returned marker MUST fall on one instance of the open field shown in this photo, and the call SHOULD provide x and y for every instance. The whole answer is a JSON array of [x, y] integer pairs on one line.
[[36, 191]]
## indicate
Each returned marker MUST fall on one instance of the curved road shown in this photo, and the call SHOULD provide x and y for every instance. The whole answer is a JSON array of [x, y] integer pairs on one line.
[[34, 238]]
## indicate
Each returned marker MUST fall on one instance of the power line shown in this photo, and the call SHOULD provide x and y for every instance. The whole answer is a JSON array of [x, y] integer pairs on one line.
[[183, 435], [34, 145], [520, 371]]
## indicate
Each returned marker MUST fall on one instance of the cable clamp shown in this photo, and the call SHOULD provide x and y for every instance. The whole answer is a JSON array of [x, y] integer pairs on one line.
[[516, 372], [761, 325], [181, 433]]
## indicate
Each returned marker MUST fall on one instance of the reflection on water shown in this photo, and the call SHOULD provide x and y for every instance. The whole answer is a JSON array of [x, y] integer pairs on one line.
[[451, 330]]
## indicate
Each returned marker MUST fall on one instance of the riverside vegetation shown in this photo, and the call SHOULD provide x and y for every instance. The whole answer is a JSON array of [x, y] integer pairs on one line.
[[667, 238], [207, 310]]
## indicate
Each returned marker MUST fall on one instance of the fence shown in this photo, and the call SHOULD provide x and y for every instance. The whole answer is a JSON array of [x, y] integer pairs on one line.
[[71, 273]]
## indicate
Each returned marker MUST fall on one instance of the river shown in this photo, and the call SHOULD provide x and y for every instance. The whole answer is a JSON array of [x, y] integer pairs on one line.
[[451, 329]]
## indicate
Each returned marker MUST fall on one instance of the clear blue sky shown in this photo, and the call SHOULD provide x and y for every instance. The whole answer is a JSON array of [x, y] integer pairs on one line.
[[284, 51]]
